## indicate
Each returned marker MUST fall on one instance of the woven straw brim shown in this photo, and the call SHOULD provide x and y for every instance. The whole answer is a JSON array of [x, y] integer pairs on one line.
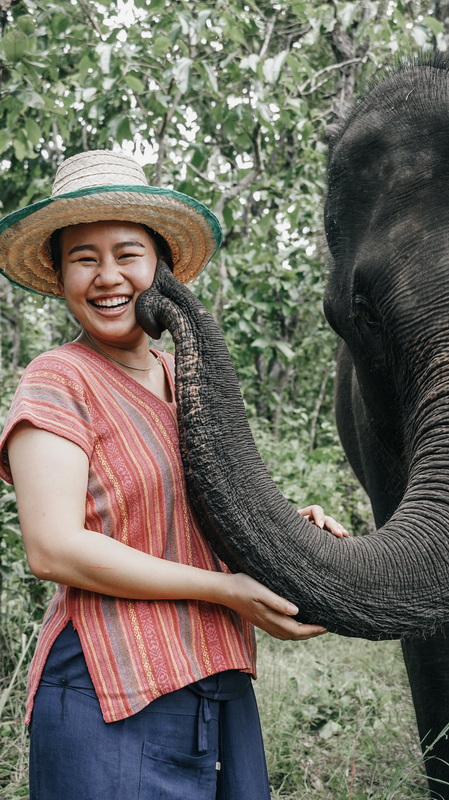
[[192, 232]]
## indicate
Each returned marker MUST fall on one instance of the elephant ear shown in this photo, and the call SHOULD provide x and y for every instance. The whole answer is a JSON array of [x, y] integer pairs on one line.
[[364, 586]]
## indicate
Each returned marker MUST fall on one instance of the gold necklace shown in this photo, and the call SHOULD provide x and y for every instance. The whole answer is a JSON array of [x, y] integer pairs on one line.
[[158, 359]]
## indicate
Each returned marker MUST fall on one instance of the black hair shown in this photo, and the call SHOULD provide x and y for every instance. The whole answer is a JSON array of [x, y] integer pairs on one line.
[[55, 249], [162, 247]]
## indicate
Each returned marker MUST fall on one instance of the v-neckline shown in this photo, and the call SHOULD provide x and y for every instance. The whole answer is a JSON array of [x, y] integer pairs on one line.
[[125, 376]]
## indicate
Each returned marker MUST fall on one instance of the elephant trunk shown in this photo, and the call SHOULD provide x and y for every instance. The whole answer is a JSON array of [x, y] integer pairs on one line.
[[388, 584]]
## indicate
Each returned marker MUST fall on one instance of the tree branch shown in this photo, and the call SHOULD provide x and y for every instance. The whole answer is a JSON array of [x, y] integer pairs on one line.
[[201, 174], [330, 68], [248, 179], [161, 135], [268, 34], [85, 6]]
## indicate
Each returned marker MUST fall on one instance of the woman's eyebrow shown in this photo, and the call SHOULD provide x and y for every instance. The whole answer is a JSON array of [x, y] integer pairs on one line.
[[92, 247], [130, 244], [81, 247]]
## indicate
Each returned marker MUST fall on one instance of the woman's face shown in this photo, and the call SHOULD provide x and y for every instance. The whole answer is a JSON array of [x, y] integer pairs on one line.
[[104, 267]]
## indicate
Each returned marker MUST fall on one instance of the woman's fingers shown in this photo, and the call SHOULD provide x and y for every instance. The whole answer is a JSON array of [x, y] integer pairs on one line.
[[310, 631], [283, 626], [267, 610], [295, 631], [331, 524], [313, 513], [316, 515]]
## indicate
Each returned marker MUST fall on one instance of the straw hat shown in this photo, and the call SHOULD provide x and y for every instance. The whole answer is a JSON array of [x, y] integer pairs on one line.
[[102, 185]]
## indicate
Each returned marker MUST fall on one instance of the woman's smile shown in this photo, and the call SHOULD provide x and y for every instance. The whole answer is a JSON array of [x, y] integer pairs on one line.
[[110, 306], [110, 302]]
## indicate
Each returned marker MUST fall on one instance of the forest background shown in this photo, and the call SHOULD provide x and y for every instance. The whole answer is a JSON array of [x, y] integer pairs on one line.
[[232, 102]]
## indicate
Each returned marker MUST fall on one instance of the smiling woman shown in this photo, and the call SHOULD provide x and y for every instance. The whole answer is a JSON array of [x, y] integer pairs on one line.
[[147, 648], [104, 268]]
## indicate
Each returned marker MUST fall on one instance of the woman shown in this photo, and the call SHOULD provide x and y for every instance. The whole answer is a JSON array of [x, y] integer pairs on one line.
[[140, 685]]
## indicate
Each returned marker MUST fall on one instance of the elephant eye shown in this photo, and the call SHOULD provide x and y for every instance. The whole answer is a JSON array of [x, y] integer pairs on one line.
[[365, 312]]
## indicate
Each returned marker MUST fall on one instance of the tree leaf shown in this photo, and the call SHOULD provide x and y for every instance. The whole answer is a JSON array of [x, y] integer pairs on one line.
[[31, 98], [286, 350], [26, 24], [420, 35], [161, 45], [5, 140], [104, 51], [212, 77], [124, 130], [435, 25], [228, 216], [14, 45], [181, 74], [20, 150], [33, 130], [134, 82], [272, 66], [260, 343], [84, 66], [202, 17], [88, 93], [250, 62]]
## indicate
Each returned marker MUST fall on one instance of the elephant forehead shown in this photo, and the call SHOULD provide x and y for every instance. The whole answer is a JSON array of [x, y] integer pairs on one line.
[[396, 142]]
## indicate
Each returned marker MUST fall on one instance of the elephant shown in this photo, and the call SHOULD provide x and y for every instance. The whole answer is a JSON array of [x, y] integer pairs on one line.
[[387, 297]]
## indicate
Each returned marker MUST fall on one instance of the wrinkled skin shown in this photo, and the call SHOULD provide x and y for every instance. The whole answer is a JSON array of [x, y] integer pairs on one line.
[[388, 299], [387, 222]]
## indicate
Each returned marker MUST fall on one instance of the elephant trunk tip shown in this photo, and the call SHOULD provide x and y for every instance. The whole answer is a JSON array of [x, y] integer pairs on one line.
[[146, 314]]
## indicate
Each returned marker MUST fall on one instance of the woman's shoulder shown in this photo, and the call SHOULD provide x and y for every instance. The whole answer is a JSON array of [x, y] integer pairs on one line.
[[62, 366], [66, 357]]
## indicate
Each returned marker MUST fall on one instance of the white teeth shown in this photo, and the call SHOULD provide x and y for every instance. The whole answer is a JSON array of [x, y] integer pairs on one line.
[[110, 302]]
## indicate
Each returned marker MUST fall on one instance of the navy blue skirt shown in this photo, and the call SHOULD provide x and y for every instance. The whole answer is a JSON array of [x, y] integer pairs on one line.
[[202, 742]]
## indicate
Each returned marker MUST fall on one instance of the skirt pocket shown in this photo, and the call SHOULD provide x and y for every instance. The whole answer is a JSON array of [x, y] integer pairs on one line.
[[169, 775]]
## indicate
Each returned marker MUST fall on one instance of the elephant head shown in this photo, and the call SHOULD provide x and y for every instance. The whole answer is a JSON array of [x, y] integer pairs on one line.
[[388, 298]]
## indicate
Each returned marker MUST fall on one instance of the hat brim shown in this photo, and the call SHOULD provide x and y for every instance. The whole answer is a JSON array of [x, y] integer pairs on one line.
[[191, 230]]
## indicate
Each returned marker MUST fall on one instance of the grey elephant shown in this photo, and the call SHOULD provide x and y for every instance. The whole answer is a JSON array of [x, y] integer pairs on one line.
[[387, 224]]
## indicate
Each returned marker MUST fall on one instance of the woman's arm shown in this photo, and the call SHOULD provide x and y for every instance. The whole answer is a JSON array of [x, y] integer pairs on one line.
[[50, 477]]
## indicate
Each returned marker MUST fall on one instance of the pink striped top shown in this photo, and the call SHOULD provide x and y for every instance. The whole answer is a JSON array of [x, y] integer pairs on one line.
[[135, 650]]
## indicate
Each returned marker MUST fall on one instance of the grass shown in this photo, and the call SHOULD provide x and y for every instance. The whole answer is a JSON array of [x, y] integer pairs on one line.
[[336, 714], [338, 720]]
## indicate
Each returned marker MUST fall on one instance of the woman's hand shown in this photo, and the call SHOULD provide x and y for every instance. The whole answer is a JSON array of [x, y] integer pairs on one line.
[[265, 609], [316, 516]]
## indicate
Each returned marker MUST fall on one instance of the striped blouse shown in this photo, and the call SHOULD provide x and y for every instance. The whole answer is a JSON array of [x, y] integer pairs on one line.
[[136, 650]]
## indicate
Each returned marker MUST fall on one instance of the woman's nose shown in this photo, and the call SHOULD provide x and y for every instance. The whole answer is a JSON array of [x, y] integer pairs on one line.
[[109, 273]]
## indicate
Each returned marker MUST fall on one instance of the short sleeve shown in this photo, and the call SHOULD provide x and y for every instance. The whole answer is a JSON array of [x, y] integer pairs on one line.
[[51, 395]]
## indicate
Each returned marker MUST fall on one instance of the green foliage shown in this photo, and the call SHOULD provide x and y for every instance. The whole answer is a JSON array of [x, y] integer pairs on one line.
[[320, 475], [230, 102]]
